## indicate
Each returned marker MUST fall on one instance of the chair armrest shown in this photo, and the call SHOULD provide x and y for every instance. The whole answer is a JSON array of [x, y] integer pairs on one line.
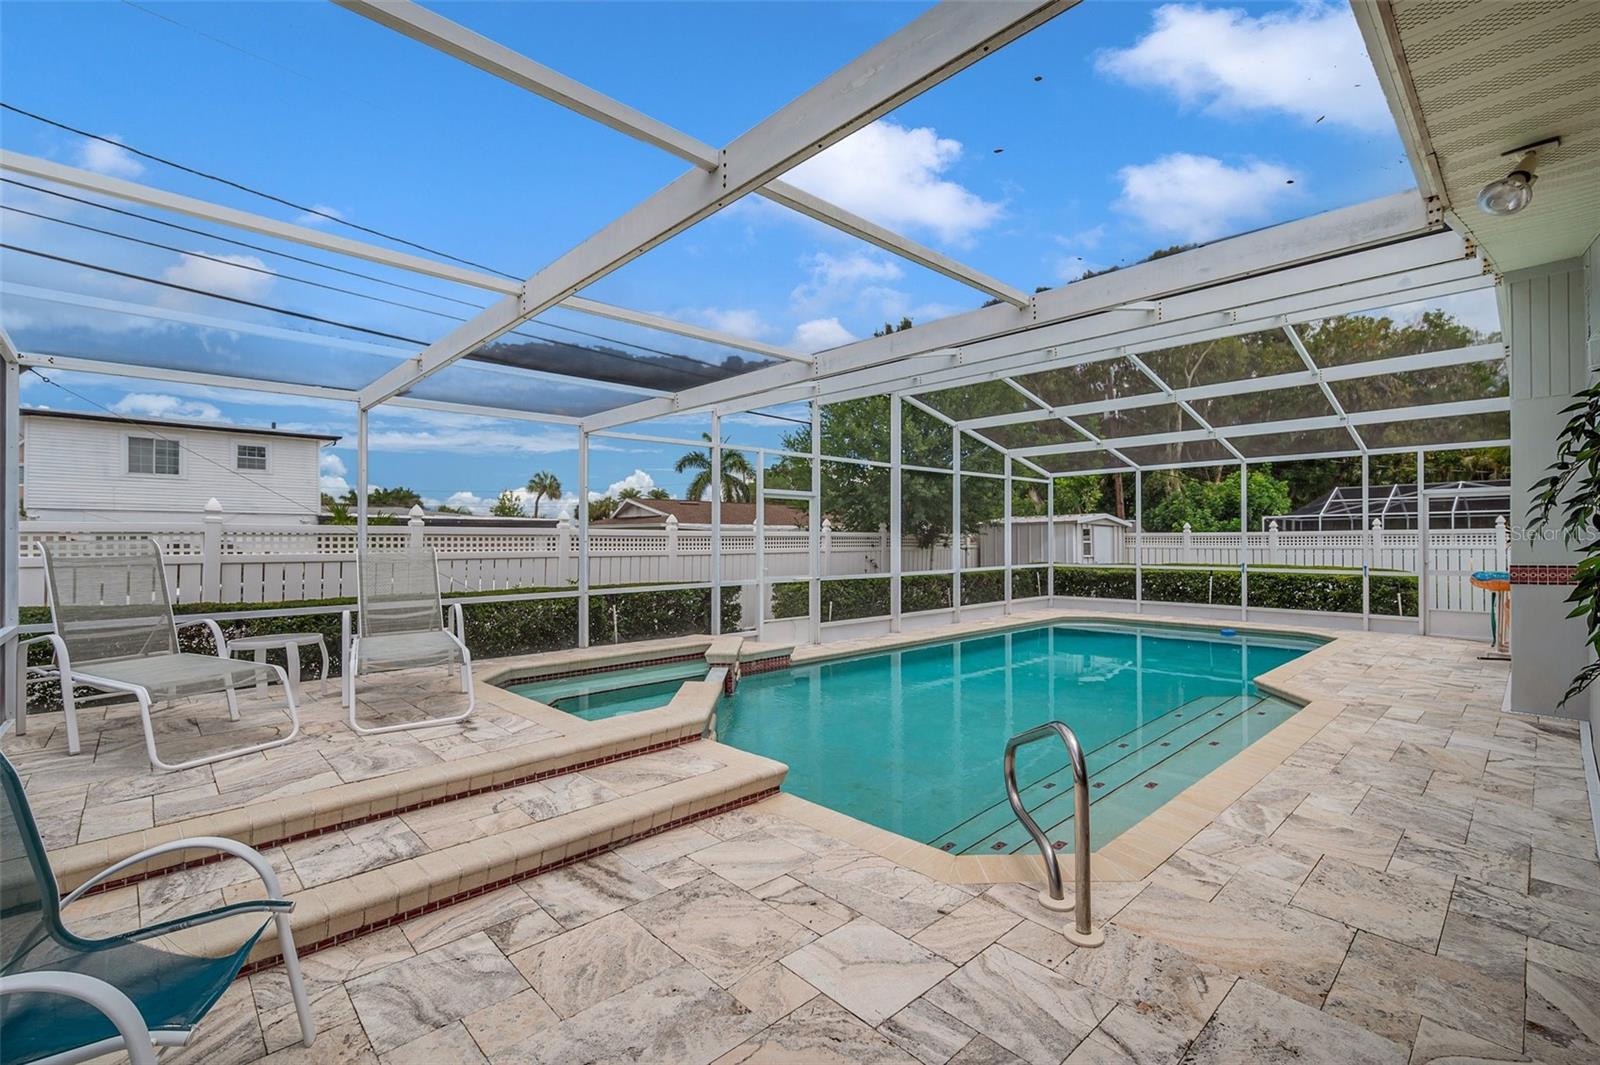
[[255, 858], [115, 1006], [458, 620], [216, 632], [63, 660]]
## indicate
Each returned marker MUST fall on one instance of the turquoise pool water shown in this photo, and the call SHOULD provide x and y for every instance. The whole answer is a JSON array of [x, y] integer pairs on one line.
[[601, 695], [912, 740]]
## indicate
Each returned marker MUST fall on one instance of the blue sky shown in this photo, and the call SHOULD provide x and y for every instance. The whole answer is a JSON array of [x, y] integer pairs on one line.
[[1116, 129]]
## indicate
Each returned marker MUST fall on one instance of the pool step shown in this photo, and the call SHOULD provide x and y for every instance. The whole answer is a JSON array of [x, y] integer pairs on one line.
[[398, 868], [964, 837]]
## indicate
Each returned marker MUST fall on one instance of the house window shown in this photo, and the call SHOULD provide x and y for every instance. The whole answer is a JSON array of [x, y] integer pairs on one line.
[[1087, 533], [149, 454], [250, 456]]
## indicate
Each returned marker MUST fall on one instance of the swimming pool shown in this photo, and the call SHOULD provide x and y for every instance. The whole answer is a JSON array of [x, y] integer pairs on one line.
[[596, 696], [911, 741]]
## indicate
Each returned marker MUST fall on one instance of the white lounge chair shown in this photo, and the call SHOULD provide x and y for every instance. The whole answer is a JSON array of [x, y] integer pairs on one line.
[[401, 624], [114, 630]]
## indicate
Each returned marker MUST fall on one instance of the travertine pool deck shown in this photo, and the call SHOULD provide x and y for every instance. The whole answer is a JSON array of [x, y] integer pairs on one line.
[[1414, 880]]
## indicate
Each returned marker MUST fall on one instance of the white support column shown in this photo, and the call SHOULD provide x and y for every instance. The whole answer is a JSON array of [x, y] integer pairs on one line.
[[1138, 541], [1050, 540], [814, 526], [896, 515], [1005, 522], [957, 549], [11, 663], [1244, 541], [361, 478], [583, 538], [716, 524], [1366, 545], [761, 545], [1422, 544]]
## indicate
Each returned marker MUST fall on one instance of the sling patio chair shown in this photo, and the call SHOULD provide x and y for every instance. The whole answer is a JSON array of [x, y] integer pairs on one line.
[[67, 998], [114, 630], [401, 624]]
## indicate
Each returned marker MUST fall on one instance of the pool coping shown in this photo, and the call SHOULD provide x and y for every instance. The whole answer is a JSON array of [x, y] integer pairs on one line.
[[1135, 853]]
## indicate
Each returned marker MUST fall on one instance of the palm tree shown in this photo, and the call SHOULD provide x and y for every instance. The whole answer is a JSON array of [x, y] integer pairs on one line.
[[658, 493], [629, 492], [738, 476], [544, 485]]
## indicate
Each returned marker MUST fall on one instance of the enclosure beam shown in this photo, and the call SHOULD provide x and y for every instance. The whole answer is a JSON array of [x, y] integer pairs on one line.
[[1184, 405], [1050, 540], [896, 511], [1070, 423], [1271, 383], [1244, 541], [443, 35], [1299, 346], [133, 192], [761, 545], [12, 690], [957, 541], [1005, 522], [1422, 543], [1138, 541], [716, 524], [936, 45], [362, 491], [583, 538], [1354, 243], [1366, 544], [814, 527]]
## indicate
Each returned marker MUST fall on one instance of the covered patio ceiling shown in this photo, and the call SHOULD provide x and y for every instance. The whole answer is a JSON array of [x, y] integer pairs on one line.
[[1085, 378]]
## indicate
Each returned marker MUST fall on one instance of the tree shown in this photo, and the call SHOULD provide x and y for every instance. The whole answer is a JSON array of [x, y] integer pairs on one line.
[[658, 493], [508, 506], [543, 485], [399, 496], [602, 508], [1213, 506], [445, 508], [629, 492], [738, 476]]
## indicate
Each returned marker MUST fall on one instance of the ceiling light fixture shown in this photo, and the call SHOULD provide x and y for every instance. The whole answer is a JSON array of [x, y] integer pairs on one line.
[[1510, 194]]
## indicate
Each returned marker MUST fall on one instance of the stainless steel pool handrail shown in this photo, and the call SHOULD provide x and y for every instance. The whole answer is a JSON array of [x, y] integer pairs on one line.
[[1053, 896]]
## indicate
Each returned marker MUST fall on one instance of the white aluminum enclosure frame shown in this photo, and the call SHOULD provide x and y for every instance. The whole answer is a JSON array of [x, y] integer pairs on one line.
[[1382, 253]]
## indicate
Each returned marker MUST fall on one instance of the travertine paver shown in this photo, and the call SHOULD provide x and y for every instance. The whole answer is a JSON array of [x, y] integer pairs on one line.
[[1277, 933]]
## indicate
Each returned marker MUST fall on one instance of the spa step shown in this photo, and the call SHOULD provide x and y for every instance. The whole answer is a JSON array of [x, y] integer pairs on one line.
[[395, 869], [284, 819]]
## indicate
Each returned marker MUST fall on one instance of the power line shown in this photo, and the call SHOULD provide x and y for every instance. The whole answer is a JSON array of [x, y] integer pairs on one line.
[[303, 208], [520, 331]]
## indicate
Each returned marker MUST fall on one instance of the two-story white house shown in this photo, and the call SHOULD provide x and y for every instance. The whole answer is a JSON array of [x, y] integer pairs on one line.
[[97, 468]]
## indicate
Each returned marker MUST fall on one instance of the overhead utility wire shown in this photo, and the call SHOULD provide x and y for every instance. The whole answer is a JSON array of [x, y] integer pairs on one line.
[[521, 331], [329, 216]]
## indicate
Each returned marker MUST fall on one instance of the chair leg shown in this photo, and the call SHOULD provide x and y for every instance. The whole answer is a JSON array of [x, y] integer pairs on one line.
[[297, 986], [322, 678], [69, 705], [233, 700]]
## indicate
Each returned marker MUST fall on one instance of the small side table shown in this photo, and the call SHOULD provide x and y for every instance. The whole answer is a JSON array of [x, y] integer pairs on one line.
[[289, 643]]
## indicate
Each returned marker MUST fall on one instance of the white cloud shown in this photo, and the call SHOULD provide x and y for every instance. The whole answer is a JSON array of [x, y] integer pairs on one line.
[[737, 321], [473, 441], [819, 334], [1308, 62], [1197, 197], [238, 276], [159, 405], [637, 479], [332, 470], [104, 157], [894, 176], [319, 215], [858, 280]]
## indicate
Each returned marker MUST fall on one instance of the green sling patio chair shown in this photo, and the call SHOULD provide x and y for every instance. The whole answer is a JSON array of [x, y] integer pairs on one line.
[[67, 998], [401, 624], [114, 631]]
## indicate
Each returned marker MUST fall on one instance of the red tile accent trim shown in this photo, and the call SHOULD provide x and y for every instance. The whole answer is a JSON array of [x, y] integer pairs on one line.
[[1544, 574], [464, 896], [465, 793], [612, 667], [764, 665]]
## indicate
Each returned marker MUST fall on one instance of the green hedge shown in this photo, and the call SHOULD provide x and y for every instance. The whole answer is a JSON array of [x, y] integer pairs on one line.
[[1333, 592], [868, 597], [494, 629]]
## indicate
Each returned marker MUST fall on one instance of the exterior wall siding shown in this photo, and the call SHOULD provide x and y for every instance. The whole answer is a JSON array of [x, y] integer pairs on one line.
[[78, 470]]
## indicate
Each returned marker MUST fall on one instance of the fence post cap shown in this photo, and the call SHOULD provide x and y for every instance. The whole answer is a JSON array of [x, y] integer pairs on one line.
[[1272, 526], [1187, 527], [672, 521], [564, 519], [213, 506]]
